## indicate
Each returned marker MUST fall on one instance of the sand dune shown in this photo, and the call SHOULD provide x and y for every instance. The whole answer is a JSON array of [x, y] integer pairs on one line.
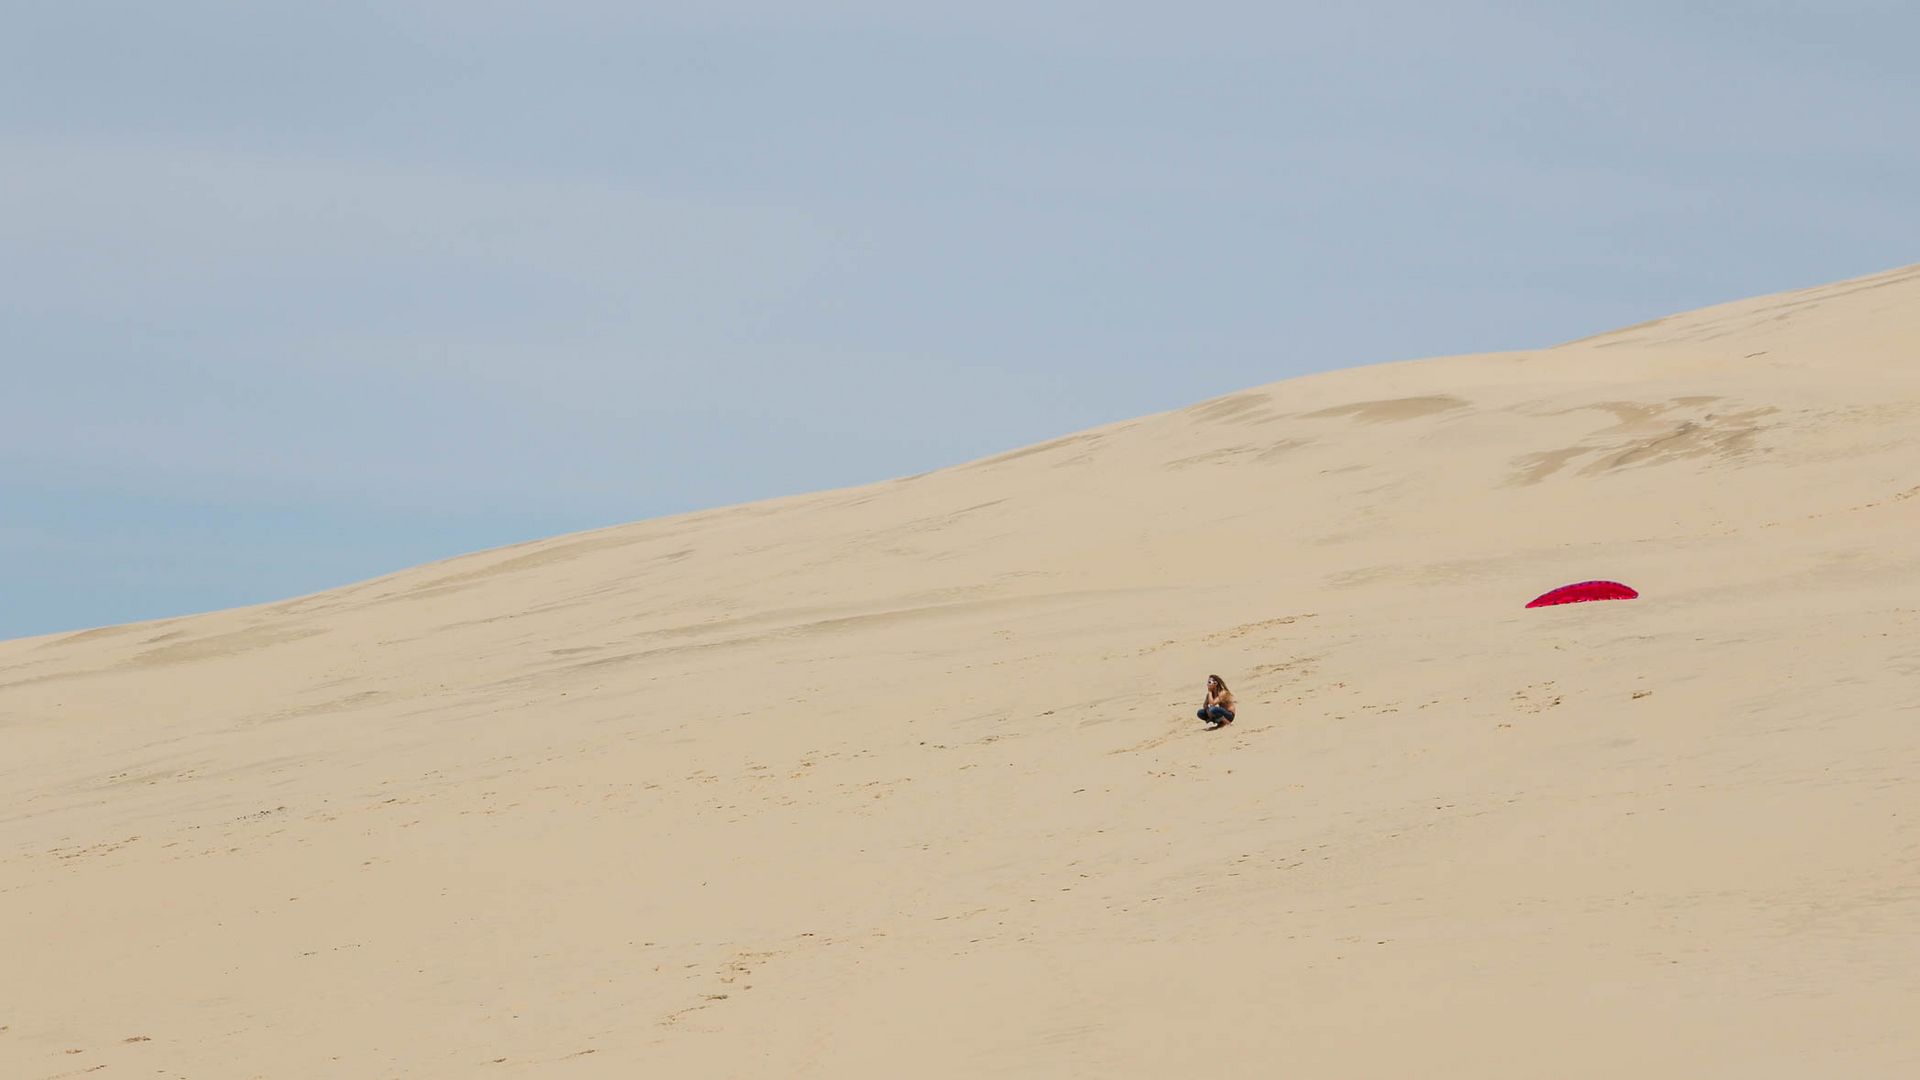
[[904, 779]]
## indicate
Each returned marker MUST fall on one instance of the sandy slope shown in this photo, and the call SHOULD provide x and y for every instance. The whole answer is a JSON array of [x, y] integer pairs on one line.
[[904, 780]]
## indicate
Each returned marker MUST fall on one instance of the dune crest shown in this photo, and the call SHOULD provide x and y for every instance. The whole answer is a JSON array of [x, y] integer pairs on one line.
[[905, 780]]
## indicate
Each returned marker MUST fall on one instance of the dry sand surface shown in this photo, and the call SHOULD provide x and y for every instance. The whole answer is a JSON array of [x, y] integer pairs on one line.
[[904, 780]]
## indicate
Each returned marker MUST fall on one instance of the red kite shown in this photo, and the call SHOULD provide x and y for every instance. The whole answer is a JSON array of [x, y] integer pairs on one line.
[[1582, 591]]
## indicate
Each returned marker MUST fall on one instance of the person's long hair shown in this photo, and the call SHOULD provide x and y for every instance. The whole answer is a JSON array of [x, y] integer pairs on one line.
[[1215, 680]]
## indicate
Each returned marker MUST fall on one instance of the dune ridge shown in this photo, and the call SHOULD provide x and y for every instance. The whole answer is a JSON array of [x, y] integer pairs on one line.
[[904, 778]]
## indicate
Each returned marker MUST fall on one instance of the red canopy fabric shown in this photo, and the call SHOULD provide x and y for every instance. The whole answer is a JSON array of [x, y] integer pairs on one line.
[[1583, 591]]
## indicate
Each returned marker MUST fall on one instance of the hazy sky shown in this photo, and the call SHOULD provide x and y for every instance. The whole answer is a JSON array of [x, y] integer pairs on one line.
[[296, 294]]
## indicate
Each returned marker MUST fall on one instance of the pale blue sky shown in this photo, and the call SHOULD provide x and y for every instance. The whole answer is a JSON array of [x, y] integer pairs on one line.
[[292, 295]]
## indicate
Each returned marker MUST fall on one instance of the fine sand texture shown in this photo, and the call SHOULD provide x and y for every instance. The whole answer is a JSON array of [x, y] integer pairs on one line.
[[905, 780]]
